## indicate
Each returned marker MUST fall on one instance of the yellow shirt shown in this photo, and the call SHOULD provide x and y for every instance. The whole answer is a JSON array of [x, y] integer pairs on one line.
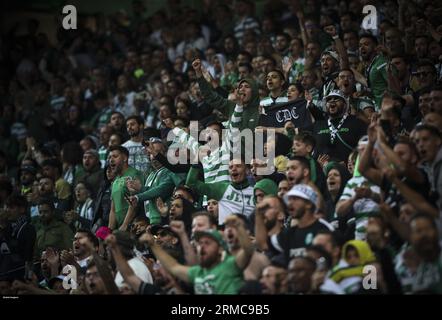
[[63, 189]]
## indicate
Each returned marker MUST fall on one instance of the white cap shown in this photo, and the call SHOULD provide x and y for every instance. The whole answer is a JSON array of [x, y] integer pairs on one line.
[[302, 191]]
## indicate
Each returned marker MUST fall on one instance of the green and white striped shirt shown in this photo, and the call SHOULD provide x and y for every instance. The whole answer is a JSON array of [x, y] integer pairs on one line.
[[363, 208], [267, 101], [216, 164]]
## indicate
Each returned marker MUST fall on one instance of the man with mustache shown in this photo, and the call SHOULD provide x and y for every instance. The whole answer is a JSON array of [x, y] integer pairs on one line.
[[419, 266], [362, 107], [137, 158], [375, 67], [218, 272], [339, 133], [291, 242], [118, 161]]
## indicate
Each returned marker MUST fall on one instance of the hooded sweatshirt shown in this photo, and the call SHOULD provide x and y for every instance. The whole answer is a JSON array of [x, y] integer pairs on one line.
[[348, 276], [251, 109], [267, 186], [345, 176]]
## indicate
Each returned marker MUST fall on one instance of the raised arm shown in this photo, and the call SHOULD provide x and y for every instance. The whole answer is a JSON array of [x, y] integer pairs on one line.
[[401, 228], [130, 215], [260, 229], [213, 190], [365, 168], [176, 168], [122, 265], [189, 252], [413, 197], [246, 250], [164, 189], [187, 140], [233, 135], [340, 49], [210, 96], [409, 171], [169, 263], [301, 22]]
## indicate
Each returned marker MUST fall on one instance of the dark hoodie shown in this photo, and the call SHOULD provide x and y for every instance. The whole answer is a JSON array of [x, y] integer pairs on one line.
[[345, 176], [102, 203], [250, 115], [94, 178], [267, 186]]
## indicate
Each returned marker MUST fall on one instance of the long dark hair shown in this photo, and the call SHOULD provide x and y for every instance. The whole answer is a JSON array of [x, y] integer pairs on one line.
[[343, 172]]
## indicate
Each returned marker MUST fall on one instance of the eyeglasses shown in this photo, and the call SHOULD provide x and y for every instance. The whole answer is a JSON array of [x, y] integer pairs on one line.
[[343, 77]]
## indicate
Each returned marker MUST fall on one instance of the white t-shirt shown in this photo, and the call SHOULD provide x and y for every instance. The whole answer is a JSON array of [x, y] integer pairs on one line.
[[140, 270], [137, 158]]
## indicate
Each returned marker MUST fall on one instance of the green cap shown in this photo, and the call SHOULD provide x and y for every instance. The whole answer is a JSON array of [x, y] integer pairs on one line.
[[214, 234]]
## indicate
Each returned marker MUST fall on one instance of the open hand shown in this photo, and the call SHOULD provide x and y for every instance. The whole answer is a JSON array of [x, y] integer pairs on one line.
[[52, 256], [133, 185], [162, 207]]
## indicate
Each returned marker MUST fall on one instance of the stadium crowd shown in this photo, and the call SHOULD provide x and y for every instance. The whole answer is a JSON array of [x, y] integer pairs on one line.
[[343, 195]]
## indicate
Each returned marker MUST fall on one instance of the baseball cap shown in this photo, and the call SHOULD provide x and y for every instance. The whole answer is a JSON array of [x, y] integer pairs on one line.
[[156, 229], [302, 191], [335, 93], [214, 234], [332, 54]]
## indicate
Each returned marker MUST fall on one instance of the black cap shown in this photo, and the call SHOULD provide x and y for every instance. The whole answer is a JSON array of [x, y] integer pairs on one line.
[[155, 229]]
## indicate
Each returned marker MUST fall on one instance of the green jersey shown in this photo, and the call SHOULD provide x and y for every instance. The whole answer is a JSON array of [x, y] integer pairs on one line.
[[225, 278], [118, 191], [376, 74], [159, 184]]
